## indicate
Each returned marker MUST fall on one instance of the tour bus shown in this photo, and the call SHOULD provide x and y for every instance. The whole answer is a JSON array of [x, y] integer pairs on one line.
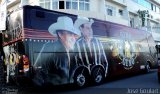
[[47, 47]]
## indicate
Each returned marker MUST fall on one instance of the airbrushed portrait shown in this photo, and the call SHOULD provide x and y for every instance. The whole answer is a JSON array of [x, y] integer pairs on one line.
[[90, 51], [56, 57], [57, 61]]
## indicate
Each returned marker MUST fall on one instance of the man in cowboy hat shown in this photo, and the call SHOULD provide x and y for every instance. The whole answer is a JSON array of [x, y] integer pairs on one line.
[[54, 58], [90, 49]]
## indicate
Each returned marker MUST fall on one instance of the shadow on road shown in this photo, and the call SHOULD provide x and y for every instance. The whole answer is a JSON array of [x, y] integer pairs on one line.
[[48, 89], [126, 76], [64, 88]]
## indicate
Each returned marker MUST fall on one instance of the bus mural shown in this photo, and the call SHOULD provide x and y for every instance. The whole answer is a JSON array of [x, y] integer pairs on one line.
[[45, 47]]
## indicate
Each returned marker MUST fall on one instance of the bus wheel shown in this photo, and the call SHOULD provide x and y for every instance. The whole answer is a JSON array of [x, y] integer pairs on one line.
[[98, 75], [81, 77], [159, 77], [147, 67], [2, 74]]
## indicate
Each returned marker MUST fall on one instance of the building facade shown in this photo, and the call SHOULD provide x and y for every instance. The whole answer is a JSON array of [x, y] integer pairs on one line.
[[141, 14]]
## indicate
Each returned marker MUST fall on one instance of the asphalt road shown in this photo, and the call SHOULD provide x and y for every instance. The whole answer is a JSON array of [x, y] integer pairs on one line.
[[149, 80], [138, 84]]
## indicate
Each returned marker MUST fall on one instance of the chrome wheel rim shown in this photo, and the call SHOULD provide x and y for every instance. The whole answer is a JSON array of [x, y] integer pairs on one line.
[[98, 78], [81, 80]]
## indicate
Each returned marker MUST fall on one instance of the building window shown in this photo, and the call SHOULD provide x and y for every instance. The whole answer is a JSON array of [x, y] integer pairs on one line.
[[121, 12], [61, 5], [153, 7], [132, 22], [110, 10], [74, 4], [158, 9], [54, 4], [66, 4], [83, 4], [45, 3]]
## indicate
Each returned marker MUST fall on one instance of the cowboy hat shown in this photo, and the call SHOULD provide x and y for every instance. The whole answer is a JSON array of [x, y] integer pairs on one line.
[[82, 20], [63, 23]]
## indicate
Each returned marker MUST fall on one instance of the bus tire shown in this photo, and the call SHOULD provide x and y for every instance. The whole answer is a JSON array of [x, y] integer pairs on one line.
[[10, 80], [81, 76], [159, 78], [98, 75], [2, 74]]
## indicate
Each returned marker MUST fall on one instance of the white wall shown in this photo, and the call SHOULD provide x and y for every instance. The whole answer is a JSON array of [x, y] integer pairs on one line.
[[33, 2], [118, 18], [156, 36], [94, 4]]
